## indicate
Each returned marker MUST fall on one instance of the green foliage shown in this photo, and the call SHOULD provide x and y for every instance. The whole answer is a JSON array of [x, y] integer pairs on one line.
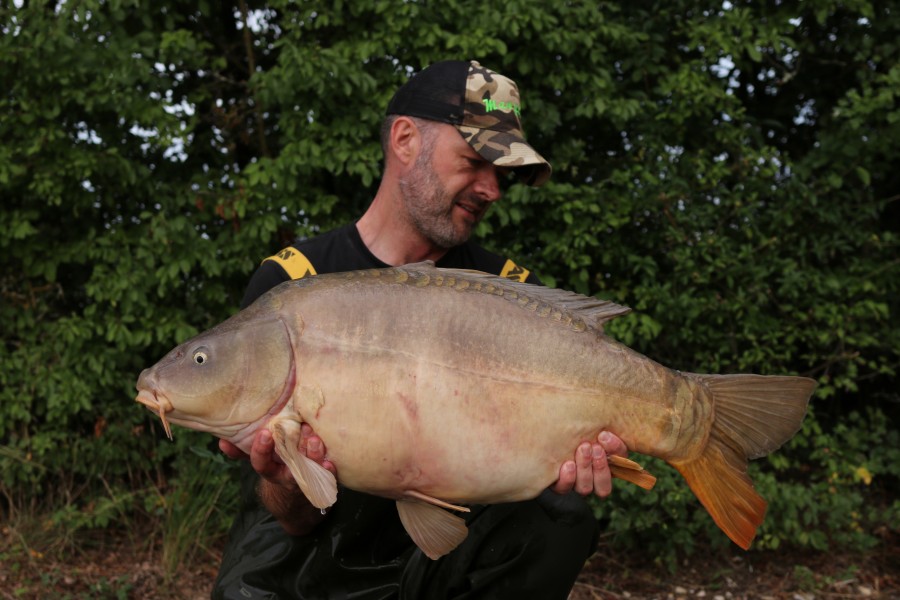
[[727, 169], [197, 509], [846, 491]]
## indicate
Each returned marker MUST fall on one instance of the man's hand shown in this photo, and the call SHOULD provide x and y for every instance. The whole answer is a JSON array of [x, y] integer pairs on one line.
[[269, 465], [278, 490], [589, 472]]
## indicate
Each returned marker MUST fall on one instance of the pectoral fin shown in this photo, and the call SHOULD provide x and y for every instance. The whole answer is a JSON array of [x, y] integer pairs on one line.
[[432, 528], [315, 481]]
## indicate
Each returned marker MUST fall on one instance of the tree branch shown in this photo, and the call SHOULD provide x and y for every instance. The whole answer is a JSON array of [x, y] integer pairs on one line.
[[251, 68]]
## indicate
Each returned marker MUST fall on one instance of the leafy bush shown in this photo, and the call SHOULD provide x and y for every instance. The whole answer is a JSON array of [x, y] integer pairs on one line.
[[728, 170]]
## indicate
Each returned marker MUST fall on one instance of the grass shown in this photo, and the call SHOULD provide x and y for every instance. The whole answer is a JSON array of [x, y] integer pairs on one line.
[[196, 510], [155, 534], [165, 541]]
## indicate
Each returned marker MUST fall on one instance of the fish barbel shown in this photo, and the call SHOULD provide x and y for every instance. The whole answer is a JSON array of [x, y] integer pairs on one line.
[[413, 375]]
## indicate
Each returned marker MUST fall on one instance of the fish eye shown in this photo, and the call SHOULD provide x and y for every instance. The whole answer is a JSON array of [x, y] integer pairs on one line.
[[200, 357]]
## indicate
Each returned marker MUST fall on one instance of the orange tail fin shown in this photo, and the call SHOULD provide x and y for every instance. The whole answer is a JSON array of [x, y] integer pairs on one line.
[[754, 415]]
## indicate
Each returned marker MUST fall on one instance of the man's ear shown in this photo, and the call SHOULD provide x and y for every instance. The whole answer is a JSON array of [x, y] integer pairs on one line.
[[405, 140]]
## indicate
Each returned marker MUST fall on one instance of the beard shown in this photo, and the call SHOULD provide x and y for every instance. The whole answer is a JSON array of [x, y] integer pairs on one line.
[[430, 206]]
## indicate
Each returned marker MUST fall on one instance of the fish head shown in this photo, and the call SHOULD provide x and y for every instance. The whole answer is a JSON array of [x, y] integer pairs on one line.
[[227, 381]]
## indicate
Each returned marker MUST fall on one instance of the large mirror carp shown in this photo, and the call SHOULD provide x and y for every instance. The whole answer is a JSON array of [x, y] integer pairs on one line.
[[412, 375]]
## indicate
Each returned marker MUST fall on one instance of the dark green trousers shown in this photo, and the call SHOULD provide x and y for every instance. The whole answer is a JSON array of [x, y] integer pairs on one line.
[[531, 549]]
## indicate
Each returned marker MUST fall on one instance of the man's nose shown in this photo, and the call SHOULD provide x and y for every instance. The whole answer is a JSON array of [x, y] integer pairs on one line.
[[487, 185]]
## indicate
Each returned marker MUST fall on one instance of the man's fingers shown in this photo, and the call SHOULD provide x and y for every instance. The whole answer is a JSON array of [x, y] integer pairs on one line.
[[262, 454], [566, 480], [590, 472], [584, 479], [315, 449], [232, 451], [612, 444], [602, 478]]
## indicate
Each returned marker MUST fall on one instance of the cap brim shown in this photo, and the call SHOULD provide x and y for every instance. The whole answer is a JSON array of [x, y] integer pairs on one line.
[[510, 151]]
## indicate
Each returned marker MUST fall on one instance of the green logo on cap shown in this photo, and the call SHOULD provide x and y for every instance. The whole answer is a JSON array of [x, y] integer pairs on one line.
[[491, 104]]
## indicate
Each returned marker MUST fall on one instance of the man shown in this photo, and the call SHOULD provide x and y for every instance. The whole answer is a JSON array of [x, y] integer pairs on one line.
[[450, 133]]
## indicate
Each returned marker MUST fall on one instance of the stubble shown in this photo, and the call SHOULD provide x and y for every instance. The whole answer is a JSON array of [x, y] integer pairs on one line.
[[430, 206]]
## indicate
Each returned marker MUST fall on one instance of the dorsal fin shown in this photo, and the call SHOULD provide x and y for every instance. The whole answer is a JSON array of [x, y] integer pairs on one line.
[[593, 311]]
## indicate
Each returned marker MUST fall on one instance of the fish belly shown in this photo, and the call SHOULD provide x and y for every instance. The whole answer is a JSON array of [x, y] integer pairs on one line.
[[472, 405]]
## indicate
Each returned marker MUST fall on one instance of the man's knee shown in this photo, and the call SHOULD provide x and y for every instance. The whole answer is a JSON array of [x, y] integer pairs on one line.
[[530, 549], [570, 523]]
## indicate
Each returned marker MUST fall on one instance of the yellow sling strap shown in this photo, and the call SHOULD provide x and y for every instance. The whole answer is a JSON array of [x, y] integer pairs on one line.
[[294, 263], [297, 266], [513, 271]]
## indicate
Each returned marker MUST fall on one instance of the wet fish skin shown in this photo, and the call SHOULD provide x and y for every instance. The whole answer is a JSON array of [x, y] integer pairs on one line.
[[414, 374]]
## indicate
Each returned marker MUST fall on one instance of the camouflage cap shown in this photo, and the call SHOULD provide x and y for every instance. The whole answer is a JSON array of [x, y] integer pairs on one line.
[[483, 105]]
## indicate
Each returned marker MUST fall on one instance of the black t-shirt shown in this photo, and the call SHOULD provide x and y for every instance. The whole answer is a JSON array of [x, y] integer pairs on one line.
[[361, 549], [342, 249]]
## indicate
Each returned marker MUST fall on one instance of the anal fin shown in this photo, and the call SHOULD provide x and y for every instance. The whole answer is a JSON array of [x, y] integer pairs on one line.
[[628, 470], [316, 482], [432, 528]]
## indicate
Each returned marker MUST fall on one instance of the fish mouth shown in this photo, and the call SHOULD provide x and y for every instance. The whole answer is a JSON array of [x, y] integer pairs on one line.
[[160, 406]]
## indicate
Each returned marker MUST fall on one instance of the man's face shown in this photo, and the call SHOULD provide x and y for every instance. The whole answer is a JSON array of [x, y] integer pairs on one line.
[[449, 189]]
